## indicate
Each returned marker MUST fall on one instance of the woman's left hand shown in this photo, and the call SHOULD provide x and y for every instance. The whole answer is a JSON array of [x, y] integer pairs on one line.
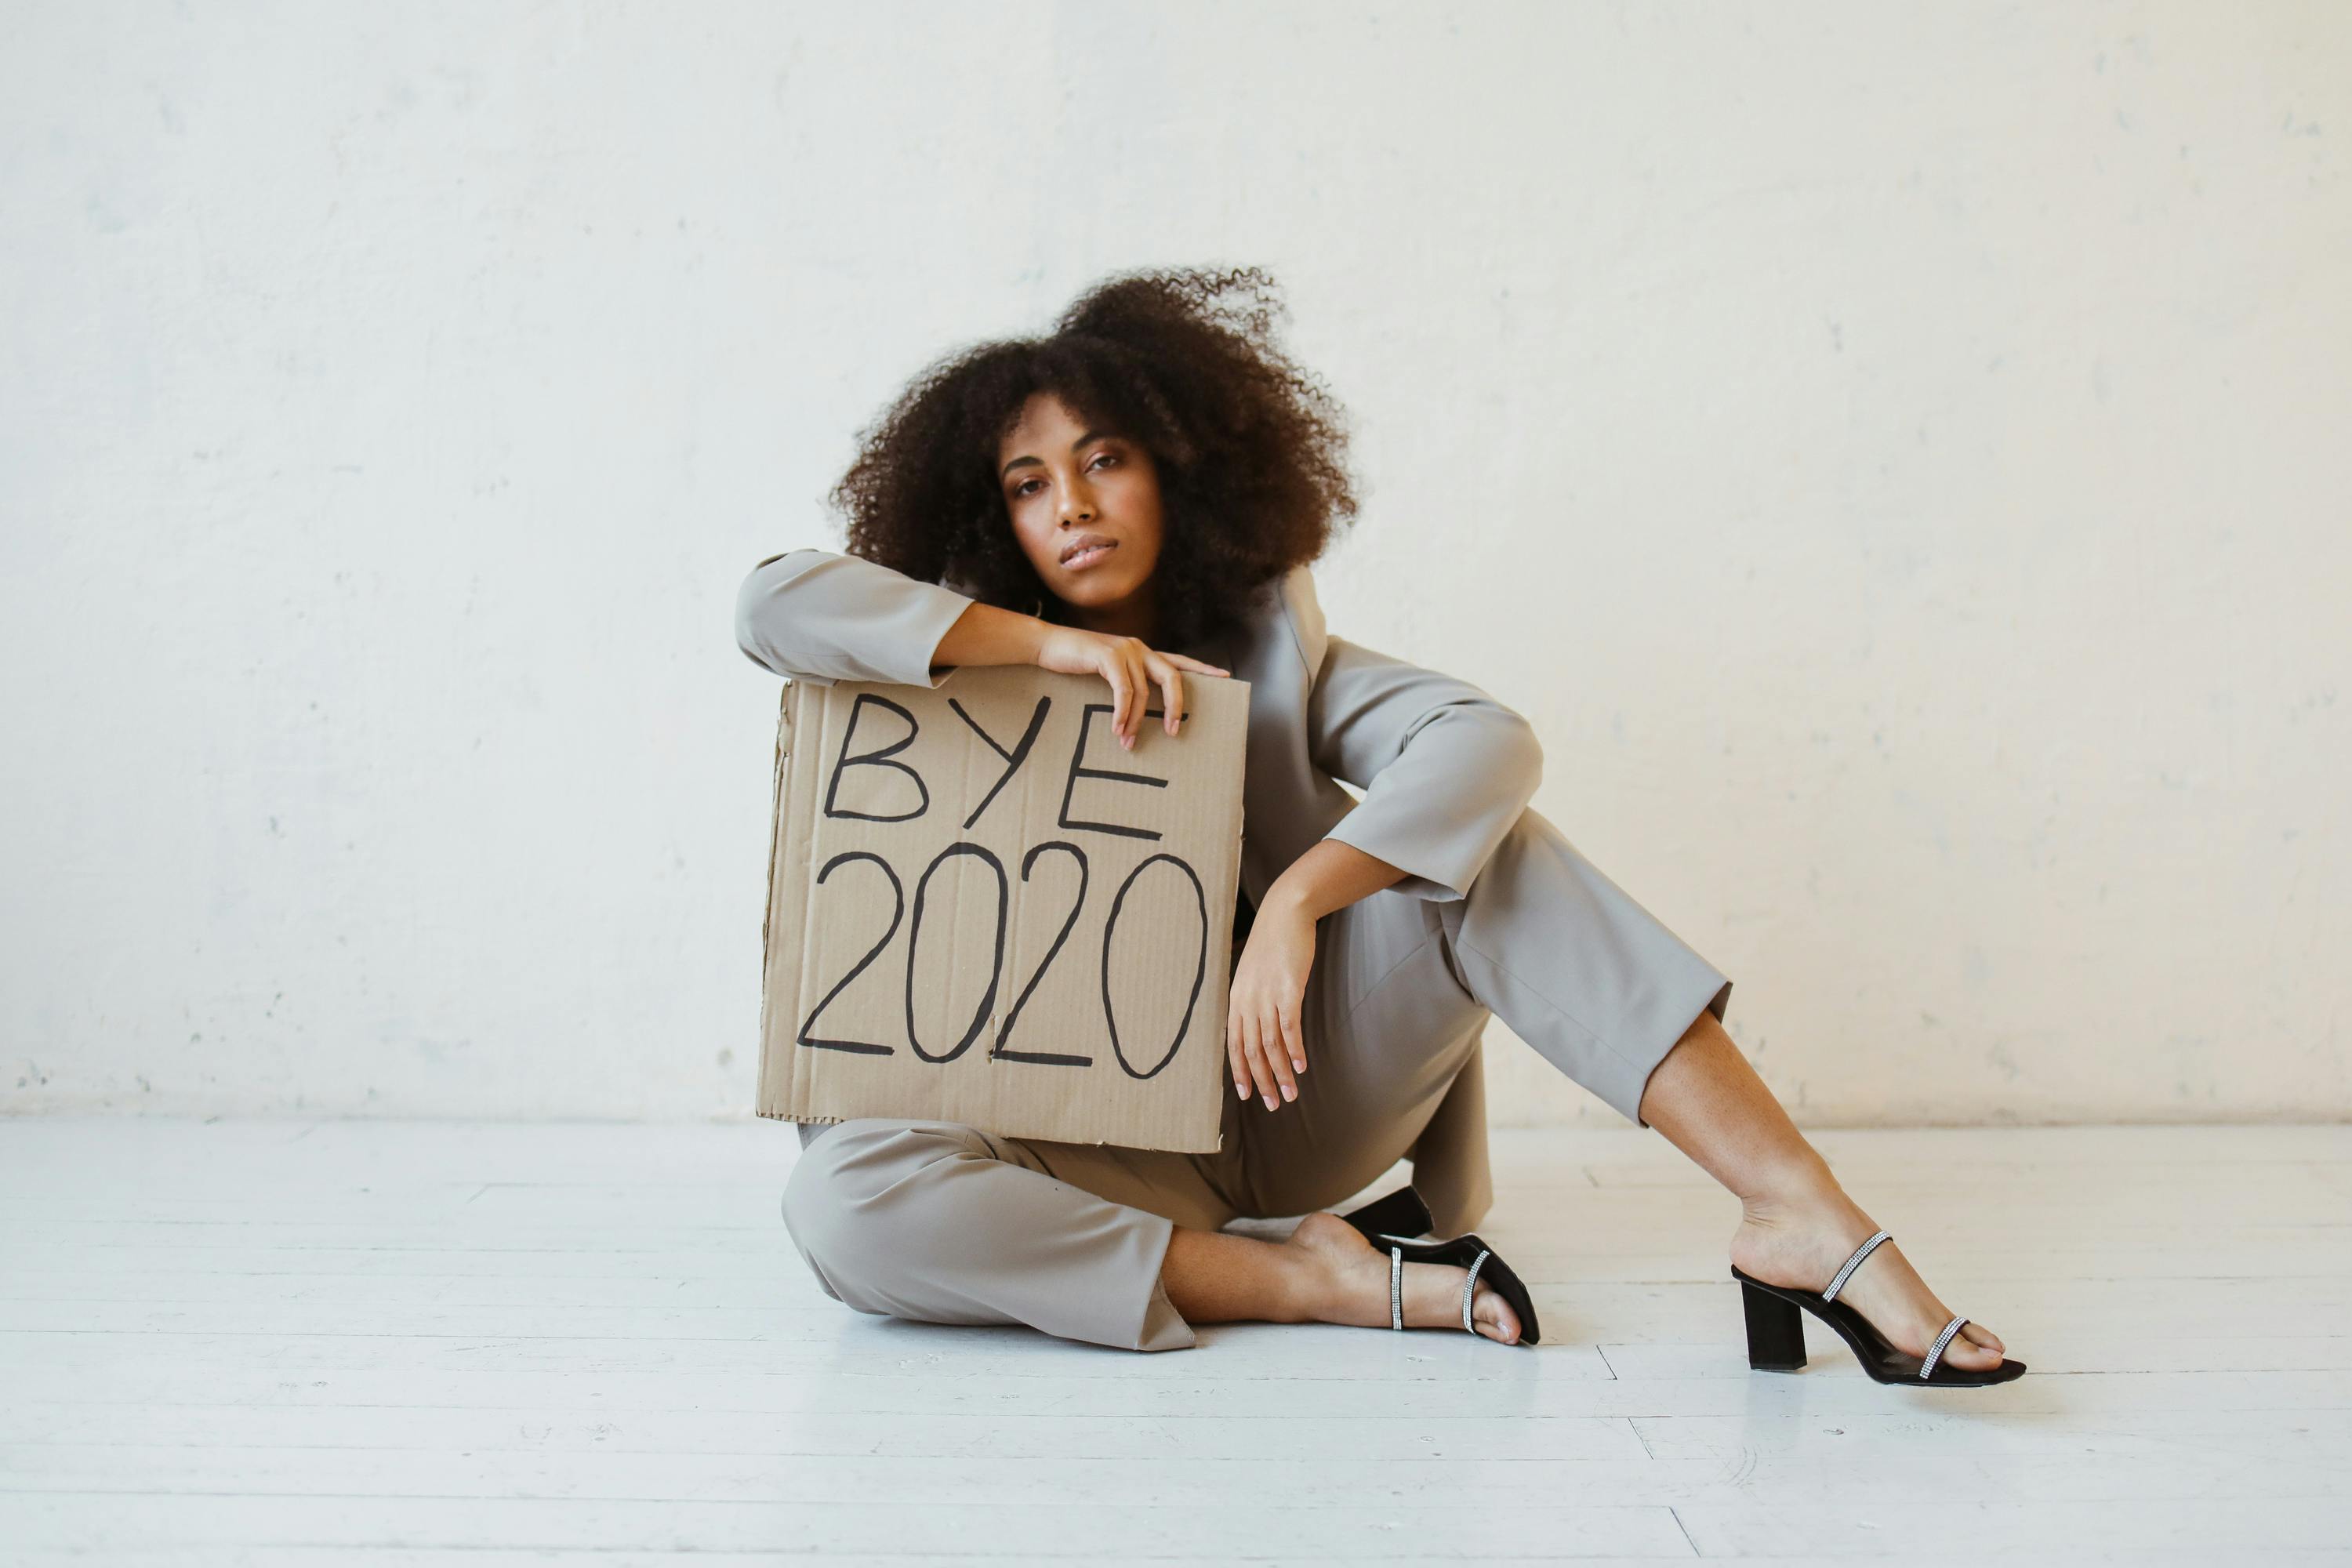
[[1262, 1038]]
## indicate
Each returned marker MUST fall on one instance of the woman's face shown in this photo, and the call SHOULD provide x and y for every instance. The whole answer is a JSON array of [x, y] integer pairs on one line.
[[1085, 505]]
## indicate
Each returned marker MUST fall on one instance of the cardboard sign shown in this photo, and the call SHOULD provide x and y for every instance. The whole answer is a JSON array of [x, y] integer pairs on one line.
[[982, 909]]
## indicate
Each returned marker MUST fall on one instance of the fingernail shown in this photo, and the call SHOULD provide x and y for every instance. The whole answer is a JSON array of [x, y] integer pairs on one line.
[[1297, 1066], [1269, 1103], [1242, 1090], [1288, 1092]]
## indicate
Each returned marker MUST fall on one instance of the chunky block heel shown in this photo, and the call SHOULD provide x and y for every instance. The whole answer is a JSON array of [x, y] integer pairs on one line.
[[1776, 1331]]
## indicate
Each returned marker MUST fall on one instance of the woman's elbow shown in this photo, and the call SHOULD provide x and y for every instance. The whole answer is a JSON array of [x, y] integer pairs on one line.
[[1496, 746], [1522, 752], [759, 613]]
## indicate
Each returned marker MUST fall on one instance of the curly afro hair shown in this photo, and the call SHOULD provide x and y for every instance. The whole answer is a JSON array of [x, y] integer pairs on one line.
[[1250, 449]]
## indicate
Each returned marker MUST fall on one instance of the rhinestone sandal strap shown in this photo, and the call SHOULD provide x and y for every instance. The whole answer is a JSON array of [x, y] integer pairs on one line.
[[1396, 1286], [1936, 1351], [1847, 1273], [1470, 1289]]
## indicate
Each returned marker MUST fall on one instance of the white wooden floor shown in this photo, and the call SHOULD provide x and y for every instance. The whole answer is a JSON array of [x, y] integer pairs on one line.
[[391, 1342]]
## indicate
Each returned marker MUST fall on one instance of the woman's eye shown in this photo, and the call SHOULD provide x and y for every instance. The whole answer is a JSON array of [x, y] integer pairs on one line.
[[1112, 456]]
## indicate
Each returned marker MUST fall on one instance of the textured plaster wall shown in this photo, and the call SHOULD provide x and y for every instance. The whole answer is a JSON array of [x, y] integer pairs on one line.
[[1895, 454]]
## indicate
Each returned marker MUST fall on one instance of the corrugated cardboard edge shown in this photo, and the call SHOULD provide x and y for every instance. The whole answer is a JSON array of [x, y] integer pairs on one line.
[[780, 1090]]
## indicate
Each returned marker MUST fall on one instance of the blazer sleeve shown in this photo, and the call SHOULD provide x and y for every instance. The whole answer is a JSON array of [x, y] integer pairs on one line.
[[1445, 769], [819, 617]]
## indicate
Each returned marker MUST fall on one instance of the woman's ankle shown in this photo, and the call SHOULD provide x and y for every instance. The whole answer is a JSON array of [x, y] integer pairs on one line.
[[1329, 1279], [1212, 1277], [1802, 1191]]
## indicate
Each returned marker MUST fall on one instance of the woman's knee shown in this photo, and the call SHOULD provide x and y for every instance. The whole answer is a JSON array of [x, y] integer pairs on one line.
[[855, 1188]]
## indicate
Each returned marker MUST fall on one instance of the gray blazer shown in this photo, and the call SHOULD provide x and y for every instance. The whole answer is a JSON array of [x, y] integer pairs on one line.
[[1445, 768]]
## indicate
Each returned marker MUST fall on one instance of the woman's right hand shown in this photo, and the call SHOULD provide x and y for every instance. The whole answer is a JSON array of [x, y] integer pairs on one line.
[[1132, 670]]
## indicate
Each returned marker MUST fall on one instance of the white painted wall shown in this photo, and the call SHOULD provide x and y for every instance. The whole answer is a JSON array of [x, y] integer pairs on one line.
[[1896, 455]]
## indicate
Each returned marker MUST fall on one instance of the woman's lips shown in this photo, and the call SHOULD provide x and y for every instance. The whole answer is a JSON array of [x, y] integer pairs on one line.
[[1085, 558]]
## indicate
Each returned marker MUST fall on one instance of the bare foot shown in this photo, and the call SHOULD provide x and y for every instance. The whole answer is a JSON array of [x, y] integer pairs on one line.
[[1350, 1284], [1801, 1244]]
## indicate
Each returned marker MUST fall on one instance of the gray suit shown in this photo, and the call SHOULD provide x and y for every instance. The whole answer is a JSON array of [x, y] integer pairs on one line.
[[1496, 914]]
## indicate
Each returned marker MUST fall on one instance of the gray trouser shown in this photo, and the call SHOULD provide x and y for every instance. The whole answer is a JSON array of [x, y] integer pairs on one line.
[[942, 1222]]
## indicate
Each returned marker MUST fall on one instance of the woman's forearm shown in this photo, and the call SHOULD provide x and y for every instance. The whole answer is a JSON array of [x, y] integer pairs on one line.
[[1330, 875], [986, 635]]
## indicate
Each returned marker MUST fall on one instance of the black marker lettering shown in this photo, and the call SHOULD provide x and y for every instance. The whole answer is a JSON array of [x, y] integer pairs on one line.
[[897, 913], [996, 964], [1200, 965], [1085, 727], [1003, 1052], [1013, 759], [880, 759]]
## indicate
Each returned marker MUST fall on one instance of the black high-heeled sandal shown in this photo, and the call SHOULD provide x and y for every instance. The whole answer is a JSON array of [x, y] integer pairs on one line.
[[1402, 1213], [1776, 1333], [1391, 1223]]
